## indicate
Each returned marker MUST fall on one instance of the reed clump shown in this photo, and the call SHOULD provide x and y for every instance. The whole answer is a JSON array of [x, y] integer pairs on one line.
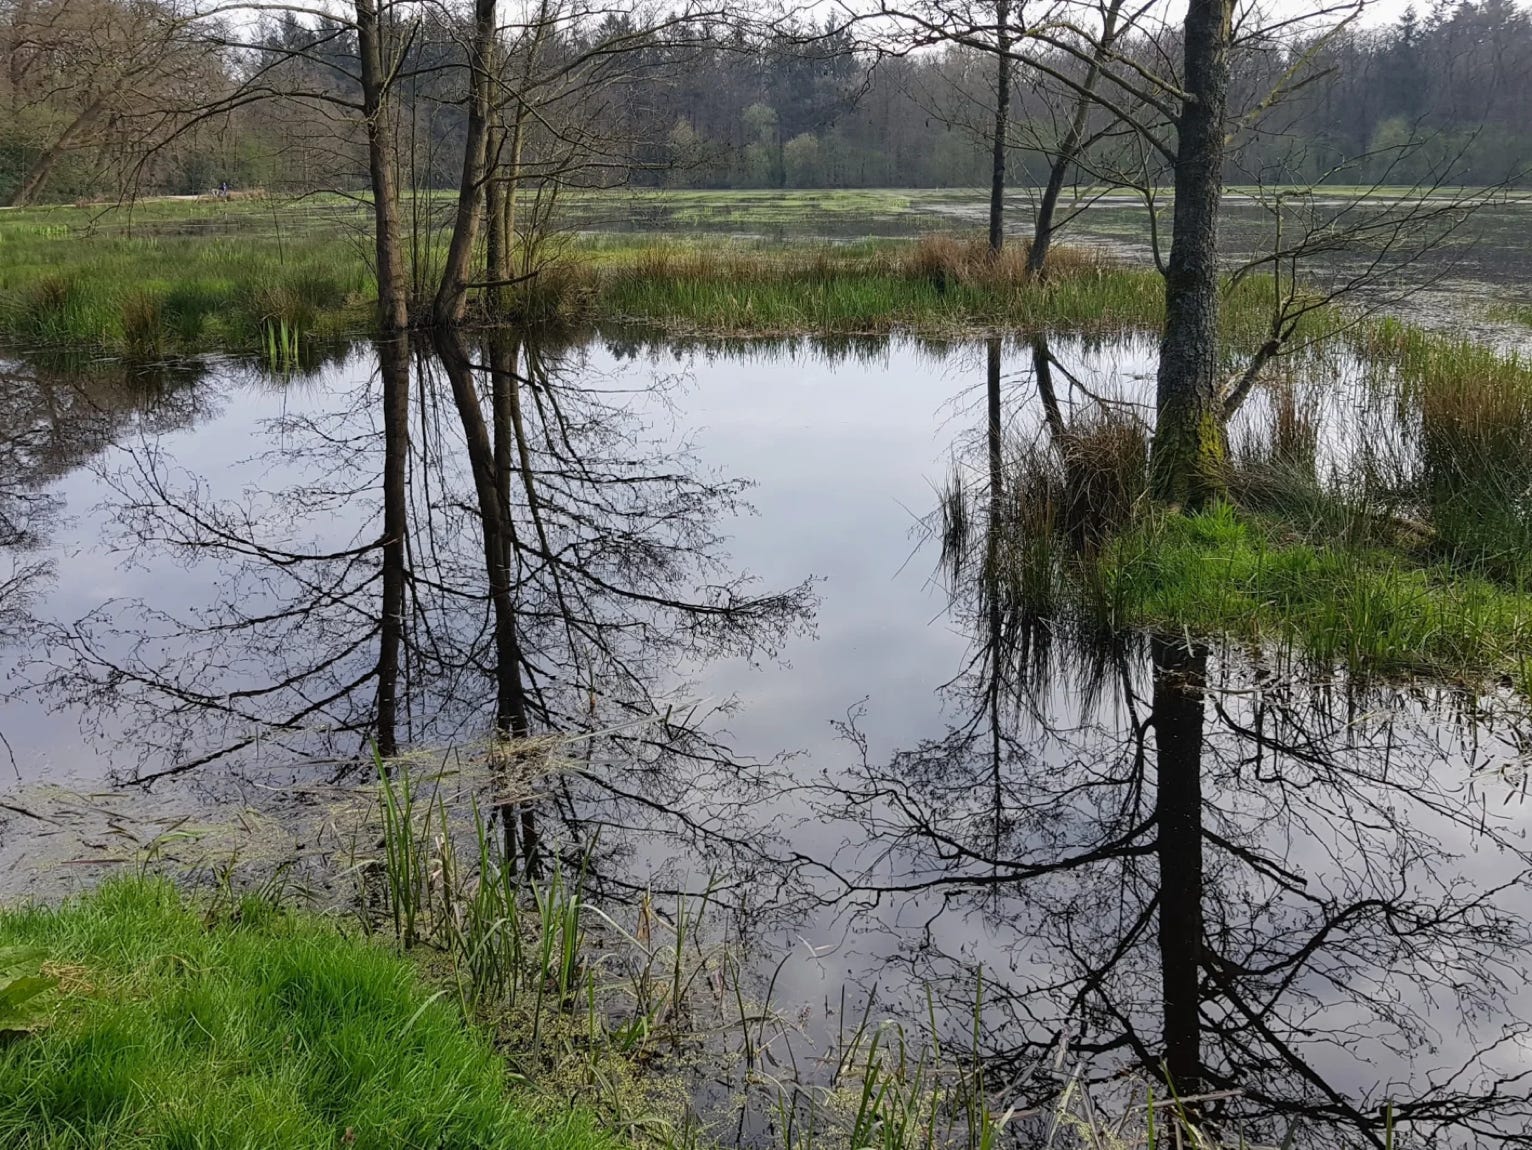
[[938, 285]]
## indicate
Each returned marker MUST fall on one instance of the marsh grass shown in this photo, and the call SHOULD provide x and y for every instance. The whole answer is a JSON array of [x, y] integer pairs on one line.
[[635, 1010], [1512, 313], [936, 285], [187, 277], [1372, 611]]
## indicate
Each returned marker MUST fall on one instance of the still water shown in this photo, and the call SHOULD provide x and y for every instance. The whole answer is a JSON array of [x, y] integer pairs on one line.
[[724, 566]]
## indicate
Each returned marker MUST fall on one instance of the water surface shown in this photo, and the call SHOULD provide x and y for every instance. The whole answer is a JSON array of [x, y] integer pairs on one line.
[[726, 569]]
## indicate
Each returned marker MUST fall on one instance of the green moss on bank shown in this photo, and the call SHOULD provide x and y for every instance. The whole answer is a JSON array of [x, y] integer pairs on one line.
[[260, 1029], [1373, 610]]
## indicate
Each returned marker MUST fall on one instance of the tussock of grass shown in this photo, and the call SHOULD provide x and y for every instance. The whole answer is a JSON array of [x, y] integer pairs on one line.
[[1465, 410], [261, 1029], [1513, 313]]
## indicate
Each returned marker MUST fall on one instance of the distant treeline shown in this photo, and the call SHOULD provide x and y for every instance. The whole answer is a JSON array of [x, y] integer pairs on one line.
[[103, 95]]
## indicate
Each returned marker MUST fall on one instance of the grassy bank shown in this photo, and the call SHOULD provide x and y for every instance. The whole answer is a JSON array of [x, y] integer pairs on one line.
[[177, 278], [169, 1027], [189, 277]]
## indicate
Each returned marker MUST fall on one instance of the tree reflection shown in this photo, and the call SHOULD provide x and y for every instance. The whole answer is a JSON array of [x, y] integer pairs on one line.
[[470, 541], [53, 420], [1284, 895]]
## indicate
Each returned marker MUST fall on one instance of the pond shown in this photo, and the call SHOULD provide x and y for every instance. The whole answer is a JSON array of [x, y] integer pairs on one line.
[[731, 585]]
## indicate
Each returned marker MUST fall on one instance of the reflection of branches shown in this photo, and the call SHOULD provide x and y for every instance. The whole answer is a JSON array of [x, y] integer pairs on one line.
[[1239, 881], [50, 424], [1340, 918], [544, 540]]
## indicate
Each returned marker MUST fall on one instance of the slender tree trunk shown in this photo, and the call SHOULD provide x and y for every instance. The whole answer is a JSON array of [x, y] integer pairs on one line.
[[394, 358], [1179, 675], [512, 187], [1069, 147], [452, 294], [517, 142], [497, 263], [37, 176], [1187, 460], [393, 304], [1002, 127]]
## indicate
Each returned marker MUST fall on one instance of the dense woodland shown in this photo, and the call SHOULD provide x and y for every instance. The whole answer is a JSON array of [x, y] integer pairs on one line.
[[107, 96]]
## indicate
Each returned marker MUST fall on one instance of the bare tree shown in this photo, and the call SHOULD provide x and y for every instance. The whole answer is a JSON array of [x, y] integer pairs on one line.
[[84, 72]]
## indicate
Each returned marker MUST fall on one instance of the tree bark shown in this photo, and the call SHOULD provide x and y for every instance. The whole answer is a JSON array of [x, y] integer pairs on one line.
[[1179, 675], [1002, 128], [452, 293], [1069, 148], [393, 302], [497, 262], [394, 360], [1187, 458]]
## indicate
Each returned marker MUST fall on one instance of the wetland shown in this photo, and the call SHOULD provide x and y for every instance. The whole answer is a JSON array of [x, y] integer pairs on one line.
[[868, 648]]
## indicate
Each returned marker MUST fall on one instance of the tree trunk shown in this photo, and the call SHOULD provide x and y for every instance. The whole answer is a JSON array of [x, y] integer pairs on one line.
[[1187, 460], [38, 174], [393, 305], [1002, 127], [1179, 675], [452, 293], [497, 262], [394, 360], [1069, 147]]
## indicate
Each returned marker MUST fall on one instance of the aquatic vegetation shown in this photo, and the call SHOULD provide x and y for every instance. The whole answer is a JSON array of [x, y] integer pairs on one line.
[[1412, 558], [630, 1020]]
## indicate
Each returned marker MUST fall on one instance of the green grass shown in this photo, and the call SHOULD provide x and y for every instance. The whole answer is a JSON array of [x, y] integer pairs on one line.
[[933, 287], [254, 1028], [1370, 609], [184, 277], [149, 295]]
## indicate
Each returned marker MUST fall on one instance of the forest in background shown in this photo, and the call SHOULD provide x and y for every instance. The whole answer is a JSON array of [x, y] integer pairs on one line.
[[107, 97]]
